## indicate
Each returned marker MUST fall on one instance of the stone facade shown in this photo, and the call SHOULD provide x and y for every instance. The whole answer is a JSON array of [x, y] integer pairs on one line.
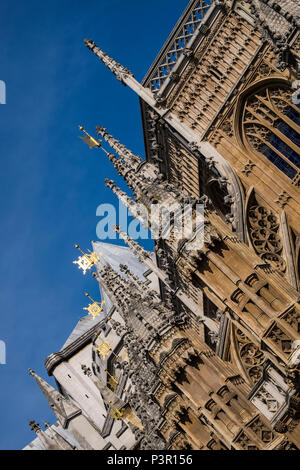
[[209, 359]]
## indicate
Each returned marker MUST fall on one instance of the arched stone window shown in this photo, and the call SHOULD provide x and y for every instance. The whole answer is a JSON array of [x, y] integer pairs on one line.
[[271, 126]]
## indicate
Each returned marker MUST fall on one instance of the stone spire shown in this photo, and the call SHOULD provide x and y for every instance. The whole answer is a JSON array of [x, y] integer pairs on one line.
[[155, 204], [61, 442], [155, 102], [139, 308], [147, 183], [140, 252], [120, 149], [137, 174], [117, 69], [136, 280], [122, 73], [131, 205], [111, 285], [64, 409], [141, 177], [132, 294], [48, 442]]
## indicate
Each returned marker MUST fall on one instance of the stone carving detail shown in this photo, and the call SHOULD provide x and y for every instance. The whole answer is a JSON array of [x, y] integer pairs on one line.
[[251, 356], [265, 397], [215, 443], [296, 46], [227, 127], [264, 234], [117, 69], [296, 180], [271, 395], [286, 445], [264, 70], [281, 340], [292, 317], [178, 442], [263, 432], [276, 21], [283, 199], [248, 168], [200, 94], [245, 442]]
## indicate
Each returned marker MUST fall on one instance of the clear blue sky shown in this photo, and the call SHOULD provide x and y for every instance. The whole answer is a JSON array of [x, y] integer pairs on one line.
[[51, 183]]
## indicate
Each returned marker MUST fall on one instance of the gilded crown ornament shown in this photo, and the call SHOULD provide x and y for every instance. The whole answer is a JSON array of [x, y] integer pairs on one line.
[[116, 414], [112, 381], [88, 260], [104, 349], [95, 308]]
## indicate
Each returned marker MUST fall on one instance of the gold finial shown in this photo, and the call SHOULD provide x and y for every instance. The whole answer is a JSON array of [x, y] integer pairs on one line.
[[34, 426], [88, 260], [88, 139], [95, 308], [104, 348], [112, 381], [116, 413]]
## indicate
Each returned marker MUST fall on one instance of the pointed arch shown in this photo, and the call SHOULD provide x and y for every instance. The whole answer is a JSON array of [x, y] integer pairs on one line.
[[267, 124]]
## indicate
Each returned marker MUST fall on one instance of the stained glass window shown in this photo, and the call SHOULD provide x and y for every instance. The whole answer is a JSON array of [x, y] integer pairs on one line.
[[271, 125]]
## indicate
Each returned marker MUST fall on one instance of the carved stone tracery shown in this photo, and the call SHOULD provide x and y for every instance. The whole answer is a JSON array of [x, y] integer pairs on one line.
[[264, 231], [270, 125], [252, 358]]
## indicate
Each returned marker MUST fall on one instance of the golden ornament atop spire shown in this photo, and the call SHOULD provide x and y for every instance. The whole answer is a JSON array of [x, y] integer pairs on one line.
[[87, 261], [104, 348], [116, 414], [95, 308], [88, 139], [112, 381]]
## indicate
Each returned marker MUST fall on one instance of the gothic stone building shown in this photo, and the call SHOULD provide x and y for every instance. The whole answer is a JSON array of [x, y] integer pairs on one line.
[[199, 348]]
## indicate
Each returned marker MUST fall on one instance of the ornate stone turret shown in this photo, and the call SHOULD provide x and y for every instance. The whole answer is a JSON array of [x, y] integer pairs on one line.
[[139, 175], [145, 180], [131, 205], [125, 154], [48, 442], [63, 408], [60, 441], [169, 215], [140, 308], [71, 417], [144, 379]]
